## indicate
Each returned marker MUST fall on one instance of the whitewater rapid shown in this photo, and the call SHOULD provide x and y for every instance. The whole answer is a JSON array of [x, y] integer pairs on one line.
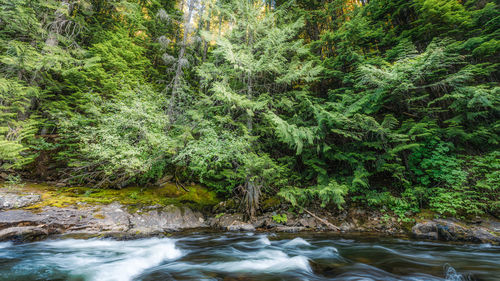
[[247, 256]]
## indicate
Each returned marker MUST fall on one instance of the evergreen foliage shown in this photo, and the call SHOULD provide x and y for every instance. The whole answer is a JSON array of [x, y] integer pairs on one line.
[[392, 105]]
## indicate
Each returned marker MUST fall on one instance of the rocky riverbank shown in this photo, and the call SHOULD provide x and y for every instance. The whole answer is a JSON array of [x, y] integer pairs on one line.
[[26, 216]]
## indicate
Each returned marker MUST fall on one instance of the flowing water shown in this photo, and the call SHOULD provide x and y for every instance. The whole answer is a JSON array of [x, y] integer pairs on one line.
[[248, 256]]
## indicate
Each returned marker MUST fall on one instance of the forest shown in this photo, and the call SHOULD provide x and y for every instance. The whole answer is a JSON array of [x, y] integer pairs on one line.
[[391, 105]]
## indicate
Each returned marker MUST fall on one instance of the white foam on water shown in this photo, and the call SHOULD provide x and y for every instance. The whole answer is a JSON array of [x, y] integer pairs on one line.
[[136, 262], [452, 275], [409, 255], [5, 245], [264, 261], [323, 253], [296, 242], [278, 264], [485, 246], [264, 240], [220, 238], [261, 242], [105, 260]]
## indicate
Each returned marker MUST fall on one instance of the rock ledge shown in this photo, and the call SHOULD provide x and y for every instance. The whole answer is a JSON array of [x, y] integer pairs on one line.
[[112, 219]]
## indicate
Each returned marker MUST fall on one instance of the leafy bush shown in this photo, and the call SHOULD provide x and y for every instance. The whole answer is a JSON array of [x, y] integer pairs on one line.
[[127, 140], [221, 160], [457, 187], [280, 218]]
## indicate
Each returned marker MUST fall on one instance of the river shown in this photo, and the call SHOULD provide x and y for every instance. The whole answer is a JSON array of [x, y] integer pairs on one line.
[[248, 256]]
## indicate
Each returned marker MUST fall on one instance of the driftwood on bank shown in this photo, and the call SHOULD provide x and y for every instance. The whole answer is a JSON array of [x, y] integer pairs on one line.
[[325, 222]]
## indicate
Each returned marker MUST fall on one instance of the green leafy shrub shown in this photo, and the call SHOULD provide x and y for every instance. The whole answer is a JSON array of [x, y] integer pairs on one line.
[[456, 187], [280, 218], [127, 140]]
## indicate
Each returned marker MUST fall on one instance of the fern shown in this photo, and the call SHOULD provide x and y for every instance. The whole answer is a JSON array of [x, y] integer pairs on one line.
[[331, 193]]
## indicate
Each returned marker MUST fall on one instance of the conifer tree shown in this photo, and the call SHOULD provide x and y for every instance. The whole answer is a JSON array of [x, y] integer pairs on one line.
[[255, 67]]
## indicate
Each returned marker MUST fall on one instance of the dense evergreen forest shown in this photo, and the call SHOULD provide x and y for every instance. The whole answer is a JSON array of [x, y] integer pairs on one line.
[[384, 104]]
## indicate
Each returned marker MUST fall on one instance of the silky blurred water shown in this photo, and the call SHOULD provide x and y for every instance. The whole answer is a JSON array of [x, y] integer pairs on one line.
[[248, 256]]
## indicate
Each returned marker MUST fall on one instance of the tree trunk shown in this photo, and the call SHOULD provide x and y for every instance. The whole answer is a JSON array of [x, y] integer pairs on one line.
[[55, 26], [178, 71], [250, 97], [252, 190], [205, 43], [252, 197], [220, 21], [201, 25]]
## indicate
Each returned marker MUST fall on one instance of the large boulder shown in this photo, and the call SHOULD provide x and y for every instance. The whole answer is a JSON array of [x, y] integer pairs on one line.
[[450, 231], [447, 230], [425, 230], [231, 222], [171, 218]]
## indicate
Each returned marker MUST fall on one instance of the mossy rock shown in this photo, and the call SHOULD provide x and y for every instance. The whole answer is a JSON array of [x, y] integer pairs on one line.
[[198, 197], [425, 214], [271, 204]]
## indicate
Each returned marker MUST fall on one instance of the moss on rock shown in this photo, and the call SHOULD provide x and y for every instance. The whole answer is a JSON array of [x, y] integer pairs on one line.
[[271, 203], [197, 197]]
